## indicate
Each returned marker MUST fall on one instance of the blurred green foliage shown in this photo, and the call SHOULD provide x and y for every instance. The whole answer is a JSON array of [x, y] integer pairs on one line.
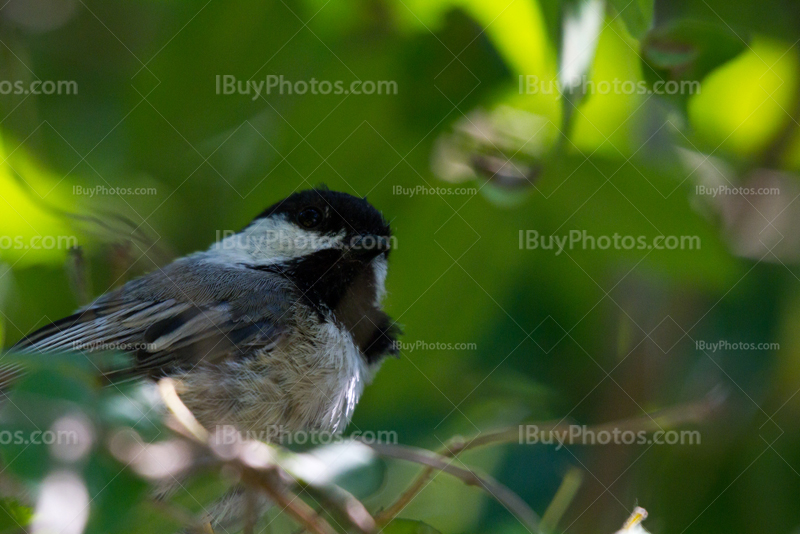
[[587, 335]]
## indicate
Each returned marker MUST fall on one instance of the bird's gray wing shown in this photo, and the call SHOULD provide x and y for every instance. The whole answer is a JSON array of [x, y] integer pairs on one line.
[[187, 313]]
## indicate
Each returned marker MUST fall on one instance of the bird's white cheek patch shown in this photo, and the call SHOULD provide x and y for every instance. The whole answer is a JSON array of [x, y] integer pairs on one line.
[[380, 267], [273, 240]]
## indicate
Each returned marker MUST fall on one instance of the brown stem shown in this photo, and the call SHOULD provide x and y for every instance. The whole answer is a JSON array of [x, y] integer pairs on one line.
[[670, 417], [346, 503], [510, 500], [288, 501], [405, 498]]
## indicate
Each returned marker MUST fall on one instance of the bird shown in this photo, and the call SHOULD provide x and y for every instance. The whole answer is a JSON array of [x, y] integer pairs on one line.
[[277, 327]]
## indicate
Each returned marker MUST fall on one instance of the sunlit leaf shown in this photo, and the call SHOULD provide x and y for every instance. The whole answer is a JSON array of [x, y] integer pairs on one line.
[[743, 103], [32, 231], [14, 517], [582, 25], [604, 121], [352, 466]]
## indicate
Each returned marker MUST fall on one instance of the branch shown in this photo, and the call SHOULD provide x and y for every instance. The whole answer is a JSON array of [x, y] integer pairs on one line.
[[669, 418], [255, 462], [291, 503], [344, 501], [510, 500]]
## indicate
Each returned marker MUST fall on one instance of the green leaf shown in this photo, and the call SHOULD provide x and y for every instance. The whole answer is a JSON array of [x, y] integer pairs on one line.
[[353, 467], [408, 526], [200, 491], [133, 405], [582, 24], [58, 384], [13, 515], [144, 517], [688, 50], [114, 489], [35, 403], [637, 15]]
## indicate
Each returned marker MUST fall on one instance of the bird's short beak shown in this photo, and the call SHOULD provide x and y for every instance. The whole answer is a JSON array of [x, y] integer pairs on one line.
[[366, 247]]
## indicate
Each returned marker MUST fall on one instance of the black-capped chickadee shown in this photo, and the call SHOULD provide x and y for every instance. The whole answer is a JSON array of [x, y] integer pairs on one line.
[[279, 325]]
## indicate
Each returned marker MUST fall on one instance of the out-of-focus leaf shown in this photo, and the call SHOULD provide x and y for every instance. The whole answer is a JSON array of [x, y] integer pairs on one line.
[[54, 384], [688, 50], [637, 15], [614, 206], [582, 23], [502, 148], [434, 82], [114, 489], [135, 405], [144, 517], [199, 492], [776, 18], [83, 367], [13, 515], [744, 103], [21, 457], [607, 116], [350, 465], [408, 526], [32, 231]]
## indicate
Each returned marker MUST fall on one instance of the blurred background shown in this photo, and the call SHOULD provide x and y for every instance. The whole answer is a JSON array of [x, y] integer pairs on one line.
[[141, 131]]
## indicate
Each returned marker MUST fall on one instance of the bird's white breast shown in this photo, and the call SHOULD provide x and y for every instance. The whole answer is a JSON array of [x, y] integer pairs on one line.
[[311, 381]]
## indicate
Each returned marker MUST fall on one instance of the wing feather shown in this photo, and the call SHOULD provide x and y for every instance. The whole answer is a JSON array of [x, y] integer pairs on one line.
[[174, 318]]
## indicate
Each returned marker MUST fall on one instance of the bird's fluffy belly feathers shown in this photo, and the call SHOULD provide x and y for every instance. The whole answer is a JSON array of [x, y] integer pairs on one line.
[[317, 387]]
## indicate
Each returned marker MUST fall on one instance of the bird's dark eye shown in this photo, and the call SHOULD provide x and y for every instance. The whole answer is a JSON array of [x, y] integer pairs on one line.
[[309, 217]]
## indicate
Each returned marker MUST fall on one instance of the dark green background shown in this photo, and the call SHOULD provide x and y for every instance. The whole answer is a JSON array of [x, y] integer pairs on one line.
[[588, 335]]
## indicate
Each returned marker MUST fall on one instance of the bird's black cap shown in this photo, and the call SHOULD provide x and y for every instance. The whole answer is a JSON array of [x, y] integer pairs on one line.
[[341, 211]]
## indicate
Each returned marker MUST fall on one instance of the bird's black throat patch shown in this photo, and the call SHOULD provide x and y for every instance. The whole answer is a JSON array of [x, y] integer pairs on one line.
[[344, 288]]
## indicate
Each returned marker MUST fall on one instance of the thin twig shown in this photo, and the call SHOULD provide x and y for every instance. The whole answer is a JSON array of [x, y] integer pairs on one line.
[[166, 386], [510, 500], [668, 418], [260, 471], [251, 515], [562, 499], [289, 502], [390, 512], [344, 501]]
